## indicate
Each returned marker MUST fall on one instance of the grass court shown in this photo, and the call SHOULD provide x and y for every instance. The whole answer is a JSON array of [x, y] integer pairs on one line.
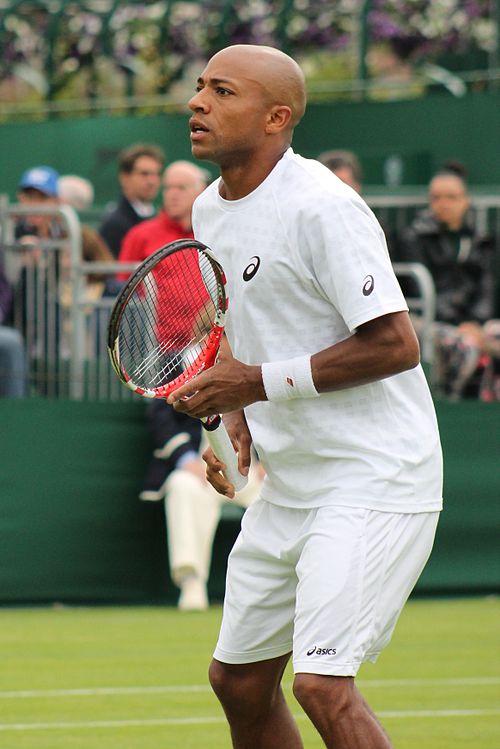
[[135, 678]]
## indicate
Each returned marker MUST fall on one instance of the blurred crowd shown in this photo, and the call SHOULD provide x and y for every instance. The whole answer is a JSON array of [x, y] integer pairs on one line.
[[152, 208]]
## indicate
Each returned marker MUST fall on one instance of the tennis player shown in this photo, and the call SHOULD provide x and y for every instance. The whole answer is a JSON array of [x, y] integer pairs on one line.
[[326, 383]]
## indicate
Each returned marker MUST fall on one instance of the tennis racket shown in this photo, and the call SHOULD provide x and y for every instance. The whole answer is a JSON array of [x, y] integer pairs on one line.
[[166, 327]]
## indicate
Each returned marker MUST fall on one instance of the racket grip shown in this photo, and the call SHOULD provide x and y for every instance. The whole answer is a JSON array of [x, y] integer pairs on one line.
[[220, 443]]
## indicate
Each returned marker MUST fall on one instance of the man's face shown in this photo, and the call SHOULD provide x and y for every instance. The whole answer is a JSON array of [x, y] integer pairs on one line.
[[31, 196], [143, 182], [448, 200], [229, 112], [181, 187]]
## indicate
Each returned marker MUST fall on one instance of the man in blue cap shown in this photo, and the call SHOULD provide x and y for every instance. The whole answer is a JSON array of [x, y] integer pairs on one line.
[[40, 179], [39, 186]]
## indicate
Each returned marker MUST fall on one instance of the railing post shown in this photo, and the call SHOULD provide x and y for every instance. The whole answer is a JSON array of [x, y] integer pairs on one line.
[[77, 281]]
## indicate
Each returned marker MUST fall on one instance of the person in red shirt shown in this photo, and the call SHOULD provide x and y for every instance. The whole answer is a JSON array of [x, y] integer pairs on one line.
[[181, 184]]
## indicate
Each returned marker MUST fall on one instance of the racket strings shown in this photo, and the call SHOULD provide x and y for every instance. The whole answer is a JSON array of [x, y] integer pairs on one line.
[[168, 319]]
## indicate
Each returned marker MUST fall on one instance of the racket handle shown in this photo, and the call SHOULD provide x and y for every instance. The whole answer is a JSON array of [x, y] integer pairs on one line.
[[220, 443]]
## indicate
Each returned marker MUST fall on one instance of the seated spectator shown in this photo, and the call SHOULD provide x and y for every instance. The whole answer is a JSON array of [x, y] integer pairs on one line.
[[346, 165], [76, 191], [38, 265], [45, 288], [192, 506], [38, 187], [139, 174], [461, 260]]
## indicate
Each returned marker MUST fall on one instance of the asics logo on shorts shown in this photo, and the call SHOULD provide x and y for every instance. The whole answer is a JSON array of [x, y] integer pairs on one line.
[[251, 269], [321, 651], [368, 285]]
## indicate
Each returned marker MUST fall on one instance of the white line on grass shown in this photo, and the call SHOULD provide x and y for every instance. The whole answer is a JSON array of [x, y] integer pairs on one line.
[[209, 719], [99, 691], [192, 688]]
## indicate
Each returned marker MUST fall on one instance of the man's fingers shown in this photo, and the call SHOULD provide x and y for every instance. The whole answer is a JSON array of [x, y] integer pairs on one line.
[[215, 475]]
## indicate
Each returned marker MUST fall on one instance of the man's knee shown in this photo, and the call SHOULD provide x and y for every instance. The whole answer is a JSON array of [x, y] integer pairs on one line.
[[316, 692], [247, 688], [232, 684]]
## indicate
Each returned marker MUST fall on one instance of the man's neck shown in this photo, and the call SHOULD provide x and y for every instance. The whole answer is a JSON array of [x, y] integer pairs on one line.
[[239, 181], [184, 222], [142, 208]]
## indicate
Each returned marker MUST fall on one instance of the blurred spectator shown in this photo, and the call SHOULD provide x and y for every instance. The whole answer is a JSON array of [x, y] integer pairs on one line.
[[38, 186], [76, 191], [38, 265], [182, 182], [176, 472], [12, 357], [346, 165], [192, 506], [461, 260], [45, 288], [139, 174]]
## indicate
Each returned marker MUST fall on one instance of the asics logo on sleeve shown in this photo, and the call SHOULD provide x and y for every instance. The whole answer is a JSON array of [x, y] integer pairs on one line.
[[321, 651], [368, 285], [252, 268]]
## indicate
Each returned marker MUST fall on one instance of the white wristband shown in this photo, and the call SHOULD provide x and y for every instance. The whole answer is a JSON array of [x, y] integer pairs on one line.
[[292, 378]]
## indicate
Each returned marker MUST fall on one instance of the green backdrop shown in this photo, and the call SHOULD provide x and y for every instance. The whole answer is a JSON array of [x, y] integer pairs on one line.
[[73, 530], [422, 132]]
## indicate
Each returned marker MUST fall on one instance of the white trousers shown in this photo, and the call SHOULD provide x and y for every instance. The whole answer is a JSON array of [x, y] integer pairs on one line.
[[192, 511]]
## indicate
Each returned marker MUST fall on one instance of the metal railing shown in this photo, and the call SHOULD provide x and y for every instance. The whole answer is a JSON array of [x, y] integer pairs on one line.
[[397, 211], [65, 328], [422, 306]]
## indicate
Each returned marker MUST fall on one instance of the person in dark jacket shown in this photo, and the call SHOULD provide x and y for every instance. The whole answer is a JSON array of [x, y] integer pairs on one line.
[[139, 172], [461, 260]]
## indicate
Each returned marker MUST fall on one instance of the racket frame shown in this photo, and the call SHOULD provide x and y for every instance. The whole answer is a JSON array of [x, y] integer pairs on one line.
[[207, 356]]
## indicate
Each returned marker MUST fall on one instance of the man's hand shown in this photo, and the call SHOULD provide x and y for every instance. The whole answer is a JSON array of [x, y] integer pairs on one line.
[[229, 385], [239, 434]]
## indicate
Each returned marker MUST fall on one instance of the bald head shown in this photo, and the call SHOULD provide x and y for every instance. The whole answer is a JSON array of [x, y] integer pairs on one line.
[[188, 173], [279, 76], [247, 103], [182, 183]]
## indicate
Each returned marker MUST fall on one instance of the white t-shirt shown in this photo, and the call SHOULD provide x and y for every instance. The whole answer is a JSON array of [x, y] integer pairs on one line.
[[306, 264]]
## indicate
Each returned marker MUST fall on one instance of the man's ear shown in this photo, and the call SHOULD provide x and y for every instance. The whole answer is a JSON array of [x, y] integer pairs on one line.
[[278, 119]]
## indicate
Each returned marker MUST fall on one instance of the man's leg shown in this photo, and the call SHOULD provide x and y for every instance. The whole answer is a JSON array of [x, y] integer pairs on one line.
[[339, 712], [255, 706], [192, 514]]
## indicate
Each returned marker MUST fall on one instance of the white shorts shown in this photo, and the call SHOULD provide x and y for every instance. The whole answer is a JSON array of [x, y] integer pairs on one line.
[[327, 584]]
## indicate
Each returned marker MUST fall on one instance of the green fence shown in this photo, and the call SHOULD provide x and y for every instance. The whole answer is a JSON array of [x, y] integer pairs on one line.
[[73, 530]]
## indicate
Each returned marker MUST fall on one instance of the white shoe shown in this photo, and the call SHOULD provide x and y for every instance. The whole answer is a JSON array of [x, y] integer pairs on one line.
[[193, 595]]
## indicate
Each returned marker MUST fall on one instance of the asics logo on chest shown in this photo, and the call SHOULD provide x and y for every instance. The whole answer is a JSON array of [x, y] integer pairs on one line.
[[251, 268]]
